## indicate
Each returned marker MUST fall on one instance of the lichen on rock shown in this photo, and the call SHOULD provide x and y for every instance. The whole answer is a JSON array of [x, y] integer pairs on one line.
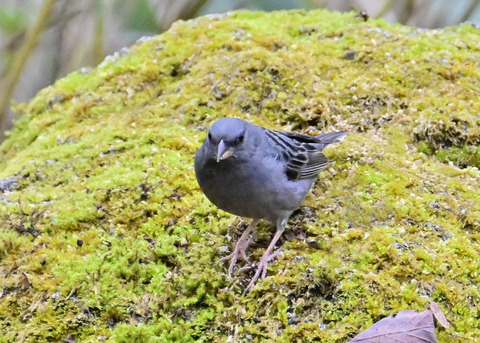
[[105, 234]]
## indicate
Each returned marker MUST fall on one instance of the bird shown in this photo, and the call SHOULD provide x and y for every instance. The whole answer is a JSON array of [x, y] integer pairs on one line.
[[254, 172]]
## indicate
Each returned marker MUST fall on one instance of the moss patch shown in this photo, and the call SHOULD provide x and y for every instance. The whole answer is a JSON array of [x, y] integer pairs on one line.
[[105, 234]]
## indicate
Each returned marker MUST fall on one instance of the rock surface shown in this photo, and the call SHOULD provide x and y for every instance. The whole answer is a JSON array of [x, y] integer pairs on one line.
[[106, 235]]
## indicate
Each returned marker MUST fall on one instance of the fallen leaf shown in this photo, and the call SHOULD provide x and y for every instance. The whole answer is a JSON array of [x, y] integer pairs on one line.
[[405, 327], [437, 312]]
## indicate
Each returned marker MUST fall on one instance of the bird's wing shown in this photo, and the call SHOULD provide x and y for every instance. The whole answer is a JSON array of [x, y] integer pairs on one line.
[[301, 154]]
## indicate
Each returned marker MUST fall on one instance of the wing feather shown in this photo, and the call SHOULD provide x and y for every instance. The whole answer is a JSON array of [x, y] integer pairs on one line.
[[302, 154]]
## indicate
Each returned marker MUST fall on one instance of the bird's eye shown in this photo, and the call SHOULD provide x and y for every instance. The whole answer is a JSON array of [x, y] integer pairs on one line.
[[209, 136], [241, 138]]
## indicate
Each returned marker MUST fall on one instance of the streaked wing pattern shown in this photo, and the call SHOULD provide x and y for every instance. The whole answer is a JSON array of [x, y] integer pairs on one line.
[[302, 154]]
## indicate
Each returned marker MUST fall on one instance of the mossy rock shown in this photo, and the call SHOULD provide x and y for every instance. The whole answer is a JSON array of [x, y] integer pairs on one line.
[[105, 234]]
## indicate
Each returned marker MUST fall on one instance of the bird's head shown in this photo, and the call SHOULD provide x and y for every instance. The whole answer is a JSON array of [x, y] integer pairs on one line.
[[226, 138]]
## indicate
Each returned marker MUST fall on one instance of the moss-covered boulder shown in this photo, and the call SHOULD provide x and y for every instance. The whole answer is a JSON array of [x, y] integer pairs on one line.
[[105, 235]]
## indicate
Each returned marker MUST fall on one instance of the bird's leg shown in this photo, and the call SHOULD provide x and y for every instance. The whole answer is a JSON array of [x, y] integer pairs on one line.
[[240, 247], [267, 256], [245, 247]]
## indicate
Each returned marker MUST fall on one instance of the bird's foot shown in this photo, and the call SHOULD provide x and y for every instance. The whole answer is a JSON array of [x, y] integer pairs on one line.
[[240, 248], [262, 267]]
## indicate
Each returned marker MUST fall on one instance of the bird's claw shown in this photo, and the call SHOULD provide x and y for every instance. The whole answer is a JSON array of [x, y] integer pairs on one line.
[[262, 267], [245, 269], [240, 248]]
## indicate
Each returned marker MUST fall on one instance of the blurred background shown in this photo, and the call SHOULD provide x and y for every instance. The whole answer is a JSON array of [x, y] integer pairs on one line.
[[43, 40]]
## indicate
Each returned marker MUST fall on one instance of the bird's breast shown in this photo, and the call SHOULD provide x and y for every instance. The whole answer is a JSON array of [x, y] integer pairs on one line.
[[250, 190]]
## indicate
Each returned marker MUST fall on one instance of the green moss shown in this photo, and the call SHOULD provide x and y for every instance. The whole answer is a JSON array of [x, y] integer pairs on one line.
[[108, 237]]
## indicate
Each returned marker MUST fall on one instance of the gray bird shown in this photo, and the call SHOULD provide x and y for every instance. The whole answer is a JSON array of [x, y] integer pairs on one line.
[[254, 172]]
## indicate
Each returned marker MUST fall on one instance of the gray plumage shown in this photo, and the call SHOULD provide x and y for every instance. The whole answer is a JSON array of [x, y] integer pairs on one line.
[[254, 172]]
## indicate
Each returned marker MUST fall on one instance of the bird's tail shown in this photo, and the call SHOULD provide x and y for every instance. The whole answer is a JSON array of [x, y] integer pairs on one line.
[[332, 137]]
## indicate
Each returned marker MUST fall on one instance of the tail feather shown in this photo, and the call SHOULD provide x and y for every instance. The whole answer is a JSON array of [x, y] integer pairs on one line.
[[329, 138]]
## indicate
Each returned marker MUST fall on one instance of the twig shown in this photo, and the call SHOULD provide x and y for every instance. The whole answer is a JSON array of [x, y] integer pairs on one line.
[[18, 63]]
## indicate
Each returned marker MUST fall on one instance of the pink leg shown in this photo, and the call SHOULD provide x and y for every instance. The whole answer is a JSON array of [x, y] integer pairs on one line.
[[240, 247], [267, 256]]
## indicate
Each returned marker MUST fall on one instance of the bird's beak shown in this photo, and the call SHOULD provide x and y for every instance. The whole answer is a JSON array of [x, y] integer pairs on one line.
[[223, 152]]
